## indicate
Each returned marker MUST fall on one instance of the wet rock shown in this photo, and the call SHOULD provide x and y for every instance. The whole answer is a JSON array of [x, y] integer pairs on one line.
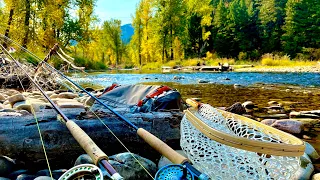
[[129, 168], [15, 174], [307, 122], [164, 161], [248, 105], [268, 121], [311, 152], [290, 126], [306, 168], [83, 159], [203, 81], [6, 165], [43, 178], [1, 106], [316, 176], [236, 108], [294, 114], [44, 172], [28, 107], [67, 95], [16, 98]]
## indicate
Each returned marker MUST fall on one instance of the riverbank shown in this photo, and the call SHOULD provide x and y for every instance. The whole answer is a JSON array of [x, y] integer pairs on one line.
[[294, 69]]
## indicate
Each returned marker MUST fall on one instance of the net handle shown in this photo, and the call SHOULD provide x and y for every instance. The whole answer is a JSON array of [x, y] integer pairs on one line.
[[278, 149]]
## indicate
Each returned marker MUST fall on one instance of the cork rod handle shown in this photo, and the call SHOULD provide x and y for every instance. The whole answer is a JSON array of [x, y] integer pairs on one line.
[[161, 147], [86, 142]]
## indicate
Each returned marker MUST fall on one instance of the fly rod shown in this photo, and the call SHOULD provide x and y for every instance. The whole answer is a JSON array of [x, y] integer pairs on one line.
[[96, 154], [149, 138]]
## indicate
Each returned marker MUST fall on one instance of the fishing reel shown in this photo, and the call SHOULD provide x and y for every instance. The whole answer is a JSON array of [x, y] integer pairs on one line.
[[174, 172], [83, 172]]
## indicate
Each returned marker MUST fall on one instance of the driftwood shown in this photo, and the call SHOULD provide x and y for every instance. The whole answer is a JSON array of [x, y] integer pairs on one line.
[[19, 138]]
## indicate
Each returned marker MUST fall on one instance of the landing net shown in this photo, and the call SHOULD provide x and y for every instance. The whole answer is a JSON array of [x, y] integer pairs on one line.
[[229, 146]]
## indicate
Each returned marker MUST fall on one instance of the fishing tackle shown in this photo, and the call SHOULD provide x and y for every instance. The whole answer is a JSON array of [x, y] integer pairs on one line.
[[96, 154]]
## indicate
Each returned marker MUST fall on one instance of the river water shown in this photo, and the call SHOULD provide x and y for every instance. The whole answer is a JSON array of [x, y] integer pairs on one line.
[[301, 89], [227, 78]]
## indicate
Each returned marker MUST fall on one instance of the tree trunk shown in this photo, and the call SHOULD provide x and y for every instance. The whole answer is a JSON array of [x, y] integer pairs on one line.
[[19, 138], [9, 24], [171, 39], [26, 24]]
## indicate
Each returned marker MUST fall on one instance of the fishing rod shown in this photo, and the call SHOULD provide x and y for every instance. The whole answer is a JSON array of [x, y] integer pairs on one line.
[[149, 138], [97, 155]]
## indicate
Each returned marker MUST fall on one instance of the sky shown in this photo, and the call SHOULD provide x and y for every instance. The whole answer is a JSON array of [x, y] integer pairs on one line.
[[116, 9]]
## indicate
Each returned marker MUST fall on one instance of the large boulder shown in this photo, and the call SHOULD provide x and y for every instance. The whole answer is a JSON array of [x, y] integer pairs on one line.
[[130, 169]]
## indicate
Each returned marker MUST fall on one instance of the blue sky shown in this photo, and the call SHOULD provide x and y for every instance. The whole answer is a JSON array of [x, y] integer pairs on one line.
[[116, 9]]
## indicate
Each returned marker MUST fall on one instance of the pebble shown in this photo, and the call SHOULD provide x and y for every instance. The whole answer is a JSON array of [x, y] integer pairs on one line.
[[26, 177], [6, 165], [16, 98], [128, 167], [67, 95], [83, 159]]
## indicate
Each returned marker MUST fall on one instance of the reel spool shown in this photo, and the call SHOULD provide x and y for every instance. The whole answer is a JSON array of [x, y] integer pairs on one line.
[[83, 171], [174, 172]]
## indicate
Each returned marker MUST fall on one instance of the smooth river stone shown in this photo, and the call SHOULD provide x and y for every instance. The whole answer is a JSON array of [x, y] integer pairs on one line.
[[67, 95], [16, 98], [2, 98]]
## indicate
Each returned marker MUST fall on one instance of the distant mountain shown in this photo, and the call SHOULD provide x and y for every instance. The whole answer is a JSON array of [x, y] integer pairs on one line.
[[127, 32]]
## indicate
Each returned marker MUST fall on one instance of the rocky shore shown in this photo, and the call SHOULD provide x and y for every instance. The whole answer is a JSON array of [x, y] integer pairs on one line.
[[298, 69], [283, 114]]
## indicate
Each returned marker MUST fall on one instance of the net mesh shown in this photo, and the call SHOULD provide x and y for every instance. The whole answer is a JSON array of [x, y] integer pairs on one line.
[[221, 161]]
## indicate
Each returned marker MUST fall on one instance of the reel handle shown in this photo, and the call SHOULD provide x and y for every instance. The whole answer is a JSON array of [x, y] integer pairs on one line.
[[193, 103], [161, 147]]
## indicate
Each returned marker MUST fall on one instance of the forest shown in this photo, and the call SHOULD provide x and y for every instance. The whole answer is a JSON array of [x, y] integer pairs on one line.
[[167, 31]]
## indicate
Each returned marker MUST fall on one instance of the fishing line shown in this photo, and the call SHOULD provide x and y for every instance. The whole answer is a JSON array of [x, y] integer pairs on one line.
[[118, 138], [36, 119]]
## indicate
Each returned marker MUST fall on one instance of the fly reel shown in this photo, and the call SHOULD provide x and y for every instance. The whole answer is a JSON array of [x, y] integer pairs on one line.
[[174, 172], [83, 171]]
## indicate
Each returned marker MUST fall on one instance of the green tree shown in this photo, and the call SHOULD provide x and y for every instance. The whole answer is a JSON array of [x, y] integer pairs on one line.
[[112, 35]]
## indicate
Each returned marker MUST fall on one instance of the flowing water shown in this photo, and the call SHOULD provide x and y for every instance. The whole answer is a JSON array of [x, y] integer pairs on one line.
[[302, 89]]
